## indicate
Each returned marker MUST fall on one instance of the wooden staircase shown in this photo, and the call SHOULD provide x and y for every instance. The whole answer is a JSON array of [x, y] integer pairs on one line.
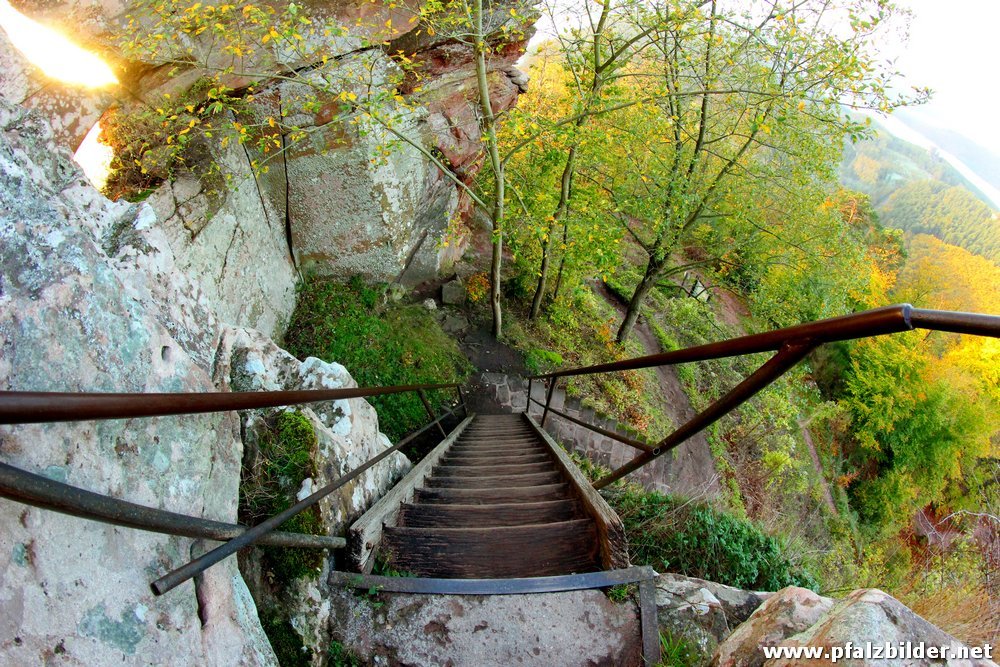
[[496, 499]]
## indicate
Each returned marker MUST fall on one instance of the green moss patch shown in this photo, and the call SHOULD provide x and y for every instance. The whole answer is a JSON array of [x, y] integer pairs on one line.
[[380, 344]]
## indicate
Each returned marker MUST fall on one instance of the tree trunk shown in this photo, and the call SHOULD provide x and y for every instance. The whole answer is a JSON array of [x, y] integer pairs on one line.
[[638, 297], [493, 151], [562, 263], [565, 191]]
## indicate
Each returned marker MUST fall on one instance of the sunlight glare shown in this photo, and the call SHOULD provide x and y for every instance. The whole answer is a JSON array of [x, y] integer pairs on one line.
[[95, 158], [54, 54]]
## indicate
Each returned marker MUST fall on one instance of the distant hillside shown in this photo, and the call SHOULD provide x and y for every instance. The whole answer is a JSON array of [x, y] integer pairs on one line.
[[981, 160], [917, 191]]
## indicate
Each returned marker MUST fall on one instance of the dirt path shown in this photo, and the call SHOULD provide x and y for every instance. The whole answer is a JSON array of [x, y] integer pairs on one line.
[[693, 469], [818, 465]]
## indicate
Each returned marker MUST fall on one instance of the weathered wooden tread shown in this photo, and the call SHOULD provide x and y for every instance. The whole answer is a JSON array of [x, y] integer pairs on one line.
[[444, 470], [494, 482], [494, 552], [476, 460], [525, 494], [479, 516]]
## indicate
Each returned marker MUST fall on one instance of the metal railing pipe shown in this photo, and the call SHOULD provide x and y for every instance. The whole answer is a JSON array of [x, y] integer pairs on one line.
[[252, 535], [891, 319], [597, 429], [31, 489], [30, 407], [430, 412], [965, 323], [548, 399]]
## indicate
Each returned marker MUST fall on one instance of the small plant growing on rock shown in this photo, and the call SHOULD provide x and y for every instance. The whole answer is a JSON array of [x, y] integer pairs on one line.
[[272, 476]]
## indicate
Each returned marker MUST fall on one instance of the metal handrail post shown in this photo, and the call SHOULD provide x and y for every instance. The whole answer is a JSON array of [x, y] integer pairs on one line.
[[430, 411], [548, 400]]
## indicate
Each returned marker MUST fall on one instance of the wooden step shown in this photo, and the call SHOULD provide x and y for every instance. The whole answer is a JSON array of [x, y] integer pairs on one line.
[[494, 482], [490, 452], [444, 470], [510, 551], [481, 445], [473, 459], [480, 516], [524, 494]]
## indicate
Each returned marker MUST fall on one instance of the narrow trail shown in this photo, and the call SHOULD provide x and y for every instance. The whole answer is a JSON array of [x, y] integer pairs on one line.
[[817, 464], [693, 470]]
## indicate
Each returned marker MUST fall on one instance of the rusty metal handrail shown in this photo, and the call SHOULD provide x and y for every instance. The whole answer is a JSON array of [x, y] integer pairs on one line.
[[791, 344], [31, 489], [33, 407], [43, 407]]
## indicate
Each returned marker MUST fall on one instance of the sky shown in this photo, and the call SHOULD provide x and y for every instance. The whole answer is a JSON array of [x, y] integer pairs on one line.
[[953, 50]]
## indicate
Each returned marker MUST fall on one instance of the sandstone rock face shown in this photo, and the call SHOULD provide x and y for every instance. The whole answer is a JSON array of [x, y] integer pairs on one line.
[[90, 301], [552, 630], [795, 617], [326, 205], [703, 612], [233, 242], [70, 112], [786, 613], [347, 436], [876, 617]]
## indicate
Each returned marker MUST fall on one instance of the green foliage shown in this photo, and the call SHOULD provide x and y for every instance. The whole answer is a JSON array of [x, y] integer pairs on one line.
[[912, 430], [380, 344], [676, 651], [919, 191], [621, 593], [952, 214], [339, 656], [697, 540], [269, 484], [542, 361], [580, 331], [285, 641]]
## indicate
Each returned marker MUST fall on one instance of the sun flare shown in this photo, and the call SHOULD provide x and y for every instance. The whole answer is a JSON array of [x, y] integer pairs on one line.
[[54, 54], [95, 157]]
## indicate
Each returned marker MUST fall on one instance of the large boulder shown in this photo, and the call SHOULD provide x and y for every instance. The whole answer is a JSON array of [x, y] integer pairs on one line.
[[90, 301], [785, 613], [796, 618], [347, 435], [872, 616], [703, 612]]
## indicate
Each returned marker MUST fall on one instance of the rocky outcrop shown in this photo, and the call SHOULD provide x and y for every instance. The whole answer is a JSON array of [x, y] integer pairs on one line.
[[795, 617], [349, 199], [788, 612], [703, 612], [93, 299], [347, 436], [90, 301], [569, 629]]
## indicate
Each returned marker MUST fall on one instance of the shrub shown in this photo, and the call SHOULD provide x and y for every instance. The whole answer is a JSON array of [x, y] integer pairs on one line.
[[697, 540]]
